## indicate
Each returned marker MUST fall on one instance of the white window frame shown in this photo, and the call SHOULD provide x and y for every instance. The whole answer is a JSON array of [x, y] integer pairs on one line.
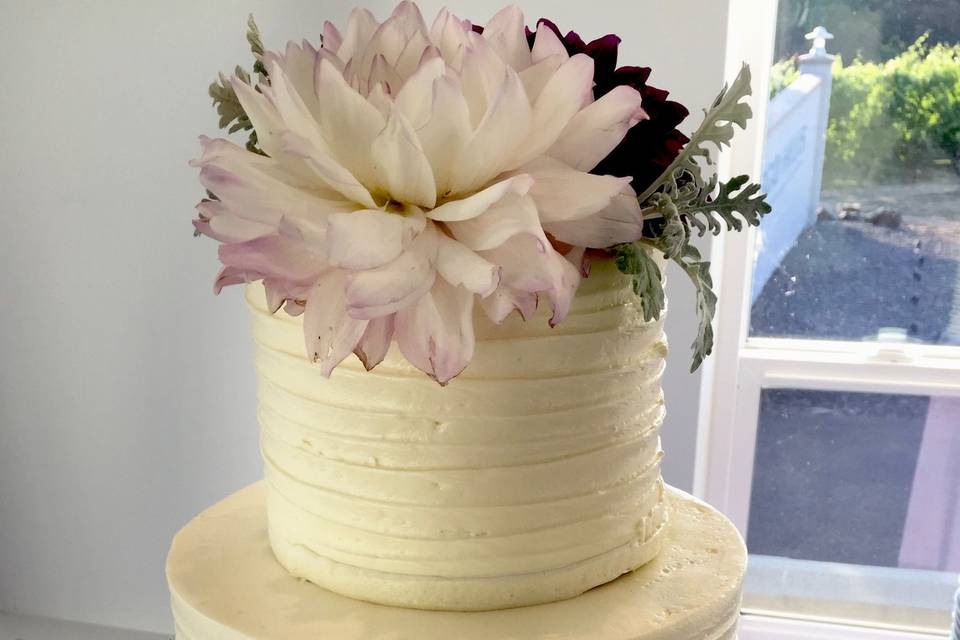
[[740, 369]]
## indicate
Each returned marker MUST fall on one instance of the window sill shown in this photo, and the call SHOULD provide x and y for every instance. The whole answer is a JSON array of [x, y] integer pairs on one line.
[[759, 627], [851, 594]]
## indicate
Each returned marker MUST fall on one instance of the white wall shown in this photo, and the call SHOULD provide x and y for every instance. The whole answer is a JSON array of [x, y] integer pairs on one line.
[[126, 389]]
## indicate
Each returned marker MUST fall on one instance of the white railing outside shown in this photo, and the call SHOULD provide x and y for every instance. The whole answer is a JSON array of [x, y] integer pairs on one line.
[[797, 119]]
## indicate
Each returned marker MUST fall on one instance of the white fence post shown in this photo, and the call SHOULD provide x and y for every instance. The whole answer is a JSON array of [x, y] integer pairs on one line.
[[796, 138], [819, 63]]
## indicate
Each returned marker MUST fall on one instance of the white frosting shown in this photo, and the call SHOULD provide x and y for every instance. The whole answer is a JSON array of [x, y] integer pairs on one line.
[[532, 477], [226, 585]]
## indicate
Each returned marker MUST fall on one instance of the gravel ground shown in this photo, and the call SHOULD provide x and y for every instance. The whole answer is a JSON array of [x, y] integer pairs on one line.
[[834, 470], [846, 280]]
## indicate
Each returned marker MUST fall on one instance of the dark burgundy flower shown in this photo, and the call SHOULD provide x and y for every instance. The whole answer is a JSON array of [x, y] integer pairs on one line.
[[651, 145]]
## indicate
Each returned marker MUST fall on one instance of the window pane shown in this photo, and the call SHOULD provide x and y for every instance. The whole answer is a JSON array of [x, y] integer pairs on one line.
[[862, 166], [855, 507]]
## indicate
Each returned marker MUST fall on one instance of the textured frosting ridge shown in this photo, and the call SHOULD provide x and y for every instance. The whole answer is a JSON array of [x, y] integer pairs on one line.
[[532, 477]]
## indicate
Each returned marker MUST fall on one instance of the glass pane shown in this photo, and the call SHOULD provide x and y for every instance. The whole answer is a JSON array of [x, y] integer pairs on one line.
[[855, 507], [862, 166]]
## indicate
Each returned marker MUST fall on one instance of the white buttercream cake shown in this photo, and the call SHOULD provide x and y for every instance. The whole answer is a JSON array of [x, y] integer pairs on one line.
[[532, 478]]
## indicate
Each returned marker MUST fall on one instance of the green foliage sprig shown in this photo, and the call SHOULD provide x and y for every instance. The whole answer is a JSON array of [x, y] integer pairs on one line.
[[232, 116], [255, 40], [682, 201], [716, 130], [647, 278], [736, 202]]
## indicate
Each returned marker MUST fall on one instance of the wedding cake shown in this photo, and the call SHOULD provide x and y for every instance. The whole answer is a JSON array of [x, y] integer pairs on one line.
[[447, 204], [531, 480]]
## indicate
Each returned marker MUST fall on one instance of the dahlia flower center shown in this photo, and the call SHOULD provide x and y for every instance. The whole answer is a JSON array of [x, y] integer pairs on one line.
[[393, 206]]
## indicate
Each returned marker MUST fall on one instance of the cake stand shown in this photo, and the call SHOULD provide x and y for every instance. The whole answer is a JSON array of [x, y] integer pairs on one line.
[[226, 585]]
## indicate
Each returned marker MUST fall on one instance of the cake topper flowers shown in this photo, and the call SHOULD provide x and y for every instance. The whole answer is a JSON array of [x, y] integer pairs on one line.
[[400, 173]]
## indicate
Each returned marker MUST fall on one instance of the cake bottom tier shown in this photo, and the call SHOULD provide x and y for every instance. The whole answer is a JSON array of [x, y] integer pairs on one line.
[[225, 584]]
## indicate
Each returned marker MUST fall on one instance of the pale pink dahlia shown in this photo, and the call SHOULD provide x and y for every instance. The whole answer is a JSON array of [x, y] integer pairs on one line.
[[411, 170]]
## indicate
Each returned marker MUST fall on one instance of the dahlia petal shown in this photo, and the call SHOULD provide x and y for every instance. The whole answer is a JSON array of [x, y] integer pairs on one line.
[[458, 265], [604, 51], [481, 76], [413, 53], [536, 76], [621, 221], [242, 195], [578, 257], [375, 343], [401, 36], [546, 45], [331, 37], [446, 133], [566, 93], [407, 14], [429, 54], [379, 97], [513, 215], [305, 140], [527, 268], [299, 66], [382, 72], [280, 291], [330, 333], [562, 193], [384, 290], [217, 222], [364, 239], [505, 33], [505, 300], [295, 308], [598, 128], [561, 295], [231, 228], [436, 333], [401, 167], [416, 95], [360, 28], [274, 294], [349, 123], [274, 256], [488, 152], [238, 160], [478, 203], [258, 197], [263, 116], [231, 275], [449, 35]]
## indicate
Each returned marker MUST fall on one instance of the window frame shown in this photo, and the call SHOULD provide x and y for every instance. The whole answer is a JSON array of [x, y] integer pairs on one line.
[[741, 366]]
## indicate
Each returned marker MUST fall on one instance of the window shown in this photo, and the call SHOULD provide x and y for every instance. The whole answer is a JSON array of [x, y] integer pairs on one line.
[[833, 427], [847, 486]]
